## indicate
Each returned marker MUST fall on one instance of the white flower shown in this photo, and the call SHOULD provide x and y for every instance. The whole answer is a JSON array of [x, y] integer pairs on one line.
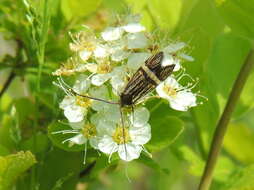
[[180, 98], [76, 107], [135, 60], [173, 55], [137, 41], [84, 132], [127, 140], [134, 27], [112, 33]]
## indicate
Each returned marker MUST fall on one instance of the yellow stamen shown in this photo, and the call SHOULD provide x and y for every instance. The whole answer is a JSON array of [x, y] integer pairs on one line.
[[89, 131], [104, 68], [121, 135], [83, 102], [169, 90]]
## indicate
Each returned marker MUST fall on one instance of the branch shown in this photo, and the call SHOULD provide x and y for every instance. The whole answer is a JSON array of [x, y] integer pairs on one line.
[[7, 82], [223, 122]]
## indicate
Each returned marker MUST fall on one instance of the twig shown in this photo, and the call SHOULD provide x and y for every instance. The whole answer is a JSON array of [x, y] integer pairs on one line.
[[224, 120], [7, 83]]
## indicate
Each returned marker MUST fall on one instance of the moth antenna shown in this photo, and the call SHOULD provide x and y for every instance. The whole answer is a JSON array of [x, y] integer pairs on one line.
[[133, 115], [124, 142], [84, 161], [69, 91], [126, 173]]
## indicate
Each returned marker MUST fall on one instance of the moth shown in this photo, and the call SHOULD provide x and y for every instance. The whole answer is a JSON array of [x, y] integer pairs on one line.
[[146, 79]]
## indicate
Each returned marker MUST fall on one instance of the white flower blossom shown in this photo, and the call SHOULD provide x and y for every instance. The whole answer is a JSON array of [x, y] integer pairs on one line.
[[127, 140], [179, 97], [173, 55]]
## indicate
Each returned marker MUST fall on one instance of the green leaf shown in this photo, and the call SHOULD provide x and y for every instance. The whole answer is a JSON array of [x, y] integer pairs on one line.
[[165, 131], [223, 169], [238, 15], [12, 166], [151, 163], [41, 145], [58, 139], [60, 168], [3, 150], [243, 179], [166, 13], [239, 142], [78, 8]]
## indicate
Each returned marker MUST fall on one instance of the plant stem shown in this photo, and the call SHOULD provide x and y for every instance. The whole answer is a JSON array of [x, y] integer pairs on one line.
[[7, 82], [223, 122]]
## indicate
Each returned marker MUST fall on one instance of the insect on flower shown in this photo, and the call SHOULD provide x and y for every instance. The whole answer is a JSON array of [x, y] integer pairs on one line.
[[143, 81], [146, 79]]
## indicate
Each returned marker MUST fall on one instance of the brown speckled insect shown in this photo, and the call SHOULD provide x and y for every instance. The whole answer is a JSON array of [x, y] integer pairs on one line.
[[146, 79]]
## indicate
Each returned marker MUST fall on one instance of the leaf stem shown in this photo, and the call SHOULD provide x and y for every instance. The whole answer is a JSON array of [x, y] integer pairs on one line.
[[224, 120]]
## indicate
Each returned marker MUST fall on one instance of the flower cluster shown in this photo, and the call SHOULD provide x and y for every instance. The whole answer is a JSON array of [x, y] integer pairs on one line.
[[102, 65]]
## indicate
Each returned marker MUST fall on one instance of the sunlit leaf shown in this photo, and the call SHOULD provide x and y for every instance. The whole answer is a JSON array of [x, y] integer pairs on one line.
[[12, 166], [223, 169], [78, 8], [239, 142], [238, 14], [242, 179]]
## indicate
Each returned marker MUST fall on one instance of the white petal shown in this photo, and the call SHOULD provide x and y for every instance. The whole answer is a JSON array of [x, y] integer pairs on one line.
[[186, 57], [167, 60], [172, 48], [160, 91], [112, 113], [75, 113], [135, 60], [140, 135], [112, 33], [77, 125], [92, 67], [172, 82], [94, 142], [119, 55], [117, 83], [106, 126], [85, 55], [100, 52], [81, 68], [82, 84], [100, 79], [78, 139], [177, 65], [67, 101], [129, 151], [107, 145], [140, 116], [137, 41], [183, 101], [134, 27]]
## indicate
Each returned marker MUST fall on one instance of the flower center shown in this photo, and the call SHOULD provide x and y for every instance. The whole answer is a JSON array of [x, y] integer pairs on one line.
[[121, 135], [104, 68], [169, 90], [83, 102], [89, 131]]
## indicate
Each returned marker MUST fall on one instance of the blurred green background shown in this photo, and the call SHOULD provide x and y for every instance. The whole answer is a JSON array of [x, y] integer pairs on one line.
[[220, 34]]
